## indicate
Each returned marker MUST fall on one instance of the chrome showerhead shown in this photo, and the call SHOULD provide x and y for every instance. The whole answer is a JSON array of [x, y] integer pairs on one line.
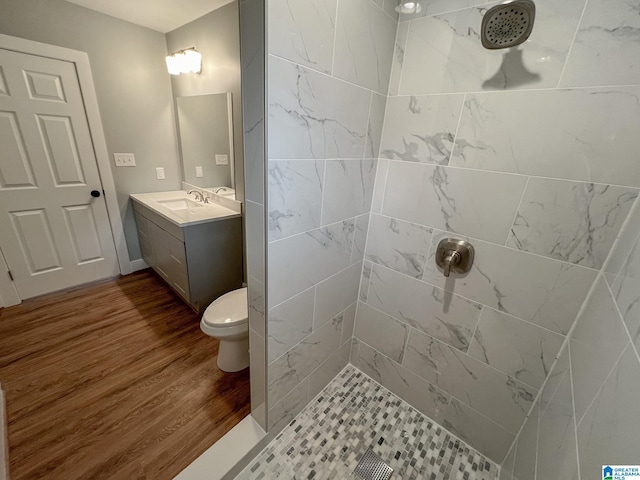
[[508, 24]]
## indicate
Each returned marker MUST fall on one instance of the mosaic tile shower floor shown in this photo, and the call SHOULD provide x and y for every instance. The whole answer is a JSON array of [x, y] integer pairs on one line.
[[353, 413]]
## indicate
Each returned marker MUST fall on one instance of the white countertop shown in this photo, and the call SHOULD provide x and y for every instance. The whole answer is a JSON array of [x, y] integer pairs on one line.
[[198, 213]]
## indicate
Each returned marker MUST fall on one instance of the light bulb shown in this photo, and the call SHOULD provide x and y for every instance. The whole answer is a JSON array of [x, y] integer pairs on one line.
[[408, 7]]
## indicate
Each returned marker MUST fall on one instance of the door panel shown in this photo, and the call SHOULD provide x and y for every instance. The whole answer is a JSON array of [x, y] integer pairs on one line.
[[35, 238], [84, 233], [44, 86], [52, 232], [60, 147], [15, 168]]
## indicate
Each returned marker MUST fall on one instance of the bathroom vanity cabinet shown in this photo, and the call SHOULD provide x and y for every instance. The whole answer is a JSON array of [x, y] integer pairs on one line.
[[200, 261]]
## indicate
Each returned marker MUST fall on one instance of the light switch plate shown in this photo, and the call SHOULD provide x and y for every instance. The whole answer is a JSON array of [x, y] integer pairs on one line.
[[160, 173], [124, 159], [222, 159], [199, 173]]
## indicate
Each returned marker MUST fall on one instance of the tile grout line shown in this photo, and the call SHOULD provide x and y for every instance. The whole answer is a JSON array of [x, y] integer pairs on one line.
[[573, 406], [335, 35], [573, 41], [515, 217], [455, 136]]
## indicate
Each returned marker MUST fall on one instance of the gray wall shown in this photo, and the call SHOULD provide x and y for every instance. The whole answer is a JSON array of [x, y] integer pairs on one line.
[[132, 85], [216, 36]]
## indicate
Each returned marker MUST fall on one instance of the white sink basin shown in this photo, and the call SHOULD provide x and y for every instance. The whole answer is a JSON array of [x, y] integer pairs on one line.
[[179, 208], [180, 204]]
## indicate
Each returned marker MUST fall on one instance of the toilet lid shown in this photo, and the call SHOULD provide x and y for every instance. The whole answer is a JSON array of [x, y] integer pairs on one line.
[[228, 310]]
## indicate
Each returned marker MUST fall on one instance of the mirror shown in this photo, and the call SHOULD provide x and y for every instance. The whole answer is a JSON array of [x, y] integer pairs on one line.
[[205, 130]]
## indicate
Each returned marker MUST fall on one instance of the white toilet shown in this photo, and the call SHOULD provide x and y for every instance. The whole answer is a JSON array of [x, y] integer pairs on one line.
[[227, 319]]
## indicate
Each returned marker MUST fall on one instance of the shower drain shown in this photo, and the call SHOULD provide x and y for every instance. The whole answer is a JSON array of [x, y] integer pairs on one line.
[[371, 467]]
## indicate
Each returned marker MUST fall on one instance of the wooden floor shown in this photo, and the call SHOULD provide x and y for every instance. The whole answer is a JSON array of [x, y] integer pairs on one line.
[[112, 380]]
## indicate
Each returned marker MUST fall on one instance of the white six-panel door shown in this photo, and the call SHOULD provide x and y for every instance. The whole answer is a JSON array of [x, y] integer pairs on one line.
[[53, 233]]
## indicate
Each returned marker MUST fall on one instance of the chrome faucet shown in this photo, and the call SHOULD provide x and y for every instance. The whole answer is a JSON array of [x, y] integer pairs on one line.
[[216, 190], [197, 194]]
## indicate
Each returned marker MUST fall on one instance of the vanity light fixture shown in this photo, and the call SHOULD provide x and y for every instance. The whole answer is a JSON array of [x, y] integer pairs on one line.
[[408, 6], [188, 60]]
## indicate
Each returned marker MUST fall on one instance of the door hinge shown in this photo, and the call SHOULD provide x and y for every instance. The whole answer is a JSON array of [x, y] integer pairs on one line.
[[10, 275]]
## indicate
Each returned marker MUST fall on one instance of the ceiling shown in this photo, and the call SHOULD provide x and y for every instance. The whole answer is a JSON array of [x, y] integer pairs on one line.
[[160, 15]]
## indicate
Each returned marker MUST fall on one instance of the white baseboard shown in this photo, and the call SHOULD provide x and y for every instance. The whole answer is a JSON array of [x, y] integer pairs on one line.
[[137, 265]]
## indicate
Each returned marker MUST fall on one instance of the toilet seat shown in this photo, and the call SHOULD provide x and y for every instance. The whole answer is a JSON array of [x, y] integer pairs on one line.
[[229, 310]]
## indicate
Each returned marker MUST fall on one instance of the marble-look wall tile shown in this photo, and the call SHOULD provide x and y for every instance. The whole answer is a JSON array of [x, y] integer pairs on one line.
[[299, 262], [348, 323], [312, 115], [398, 58], [382, 332], [322, 375], [606, 50], [571, 221], [290, 322], [474, 203], [506, 472], [256, 304], [348, 189], [420, 394], [555, 378], [596, 344], [626, 241], [557, 437], [541, 290], [520, 349], [499, 397], [608, 434], [255, 238], [255, 268], [364, 45], [364, 280], [444, 53], [252, 57], [380, 184], [527, 448], [335, 294], [286, 409], [303, 32], [487, 436], [295, 196], [445, 316], [258, 373], [626, 287], [376, 122], [397, 244], [421, 128], [293, 367], [582, 139], [360, 238]]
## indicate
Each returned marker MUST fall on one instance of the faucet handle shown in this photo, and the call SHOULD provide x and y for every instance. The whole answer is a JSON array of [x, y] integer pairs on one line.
[[452, 258], [454, 255]]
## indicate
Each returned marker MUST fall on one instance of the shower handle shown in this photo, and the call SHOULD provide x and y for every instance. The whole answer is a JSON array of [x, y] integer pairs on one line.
[[453, 255], [451, 258]]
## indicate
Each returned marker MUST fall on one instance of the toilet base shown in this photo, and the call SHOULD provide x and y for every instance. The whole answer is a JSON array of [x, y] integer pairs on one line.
[[233, 355]]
